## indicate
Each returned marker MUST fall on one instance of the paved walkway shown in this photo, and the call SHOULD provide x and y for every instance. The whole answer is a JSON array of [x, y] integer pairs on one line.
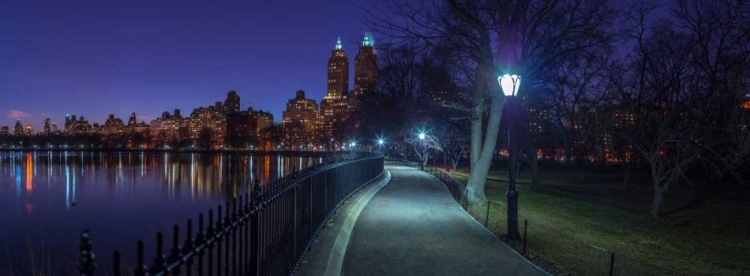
[[413, 227]]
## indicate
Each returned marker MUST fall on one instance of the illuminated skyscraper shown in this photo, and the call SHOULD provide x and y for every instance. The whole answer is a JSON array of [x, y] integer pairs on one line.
[[265, 121], [212, 118], [18, 128], [74, 124], [47, 126], [67, 121], [300, 121], [241, 128], [132, 120], [264, 130], [232, 103], [169, 128], [334, 107], [29, 129], [113, 125], [365, 69]]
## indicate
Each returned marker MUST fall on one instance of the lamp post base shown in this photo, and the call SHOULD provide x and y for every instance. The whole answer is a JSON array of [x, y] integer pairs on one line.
[[512, 231]]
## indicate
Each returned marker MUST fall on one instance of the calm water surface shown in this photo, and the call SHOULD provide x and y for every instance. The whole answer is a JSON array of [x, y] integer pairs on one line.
[[47, 198]]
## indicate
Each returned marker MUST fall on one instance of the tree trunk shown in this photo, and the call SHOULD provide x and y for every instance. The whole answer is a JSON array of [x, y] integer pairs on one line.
[[476, 134], [656, 203], [480, 167]]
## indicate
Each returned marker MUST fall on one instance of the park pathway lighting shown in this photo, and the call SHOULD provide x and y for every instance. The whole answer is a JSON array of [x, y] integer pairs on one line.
[[421, 140], [510, 84]]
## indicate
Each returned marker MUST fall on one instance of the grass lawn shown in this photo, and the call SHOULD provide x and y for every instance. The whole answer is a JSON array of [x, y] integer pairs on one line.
[[577, 209]]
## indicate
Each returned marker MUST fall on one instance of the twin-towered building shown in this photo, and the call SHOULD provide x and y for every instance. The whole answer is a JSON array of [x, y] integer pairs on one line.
[[304, 124]]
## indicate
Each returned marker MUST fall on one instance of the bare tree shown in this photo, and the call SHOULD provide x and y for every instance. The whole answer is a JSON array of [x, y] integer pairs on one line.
[[719, 33], [491, 37], [688, 77], [574, 88], [424, 146], [452, 141]]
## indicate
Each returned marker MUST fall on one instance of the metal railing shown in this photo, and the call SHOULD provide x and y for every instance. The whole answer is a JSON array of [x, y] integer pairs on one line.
[[267, 231], [401, 162], [560, 252]]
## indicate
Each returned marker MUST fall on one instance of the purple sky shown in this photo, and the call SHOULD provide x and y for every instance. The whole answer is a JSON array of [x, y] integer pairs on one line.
[[98, 57]]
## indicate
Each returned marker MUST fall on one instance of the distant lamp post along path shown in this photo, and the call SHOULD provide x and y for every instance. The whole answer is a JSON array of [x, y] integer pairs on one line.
[[510, 85], [421, 140]]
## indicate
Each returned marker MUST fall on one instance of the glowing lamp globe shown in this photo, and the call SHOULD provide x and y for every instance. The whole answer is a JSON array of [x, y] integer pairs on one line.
[[509, 84], [421, 136]]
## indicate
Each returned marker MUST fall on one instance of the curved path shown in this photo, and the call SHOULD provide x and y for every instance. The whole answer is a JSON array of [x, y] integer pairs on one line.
[[413, 226]]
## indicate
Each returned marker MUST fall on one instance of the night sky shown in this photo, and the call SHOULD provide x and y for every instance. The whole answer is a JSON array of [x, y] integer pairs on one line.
[[93, 58]]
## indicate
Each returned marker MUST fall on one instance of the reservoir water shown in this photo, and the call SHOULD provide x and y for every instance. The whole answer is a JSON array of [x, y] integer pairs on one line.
[[48, 198]]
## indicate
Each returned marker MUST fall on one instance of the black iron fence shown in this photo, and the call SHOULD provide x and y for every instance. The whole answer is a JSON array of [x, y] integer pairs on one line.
[[401, 162], [554, 250], [267, 231]]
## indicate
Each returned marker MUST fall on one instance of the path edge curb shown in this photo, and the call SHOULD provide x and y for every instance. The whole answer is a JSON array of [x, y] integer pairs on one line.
[[335, 263]]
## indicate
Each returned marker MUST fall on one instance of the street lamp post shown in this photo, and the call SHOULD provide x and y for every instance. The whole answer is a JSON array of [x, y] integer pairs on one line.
[[509, 85], [421, 140], [380, 146]]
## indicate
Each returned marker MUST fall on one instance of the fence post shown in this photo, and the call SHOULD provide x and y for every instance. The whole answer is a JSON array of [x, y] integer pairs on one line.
[[487, 218], [525, 227], [174, 256], [612, 264], [189, 246], [254, 229], [140, 268], [295, 221], [86, 262], [160, 260], [116, 263]]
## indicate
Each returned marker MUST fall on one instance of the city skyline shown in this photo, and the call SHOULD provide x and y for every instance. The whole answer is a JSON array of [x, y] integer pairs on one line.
[[40, 83]]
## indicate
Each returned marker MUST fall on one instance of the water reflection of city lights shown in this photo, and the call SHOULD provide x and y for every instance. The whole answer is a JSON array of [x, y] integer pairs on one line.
[[34, 163], [18, 179], [67, 185], [251, 170], [195, 176], [143, 163], [29, 173]]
